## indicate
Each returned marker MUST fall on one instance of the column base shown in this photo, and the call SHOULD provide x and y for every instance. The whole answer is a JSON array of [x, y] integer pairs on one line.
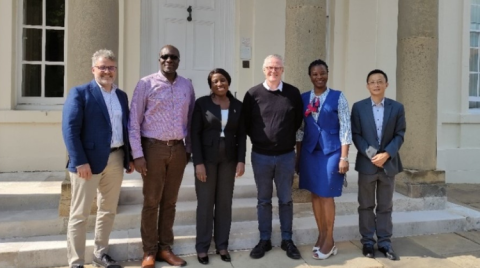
[[66, 199], [421, 183], [300, 195]]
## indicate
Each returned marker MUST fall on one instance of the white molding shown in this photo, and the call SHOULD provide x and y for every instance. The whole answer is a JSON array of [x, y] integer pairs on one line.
[[229, 18], [145, 38]]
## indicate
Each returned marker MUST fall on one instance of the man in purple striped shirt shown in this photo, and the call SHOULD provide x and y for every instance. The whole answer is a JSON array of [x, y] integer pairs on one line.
[[160, 114]]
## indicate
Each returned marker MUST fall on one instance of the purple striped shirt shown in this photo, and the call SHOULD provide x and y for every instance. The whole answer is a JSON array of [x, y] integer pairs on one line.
[[161, 110]]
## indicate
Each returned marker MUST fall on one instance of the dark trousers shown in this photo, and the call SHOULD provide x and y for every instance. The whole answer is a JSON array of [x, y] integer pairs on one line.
[[214, 207], [165, 167], [380, 222], [266, 170]]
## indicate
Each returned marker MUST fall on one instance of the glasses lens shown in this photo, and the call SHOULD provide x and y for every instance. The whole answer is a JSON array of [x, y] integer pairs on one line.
[[166, 56], [104, 68]]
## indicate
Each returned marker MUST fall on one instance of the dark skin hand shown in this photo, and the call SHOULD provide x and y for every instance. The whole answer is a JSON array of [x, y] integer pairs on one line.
[[140, 165]]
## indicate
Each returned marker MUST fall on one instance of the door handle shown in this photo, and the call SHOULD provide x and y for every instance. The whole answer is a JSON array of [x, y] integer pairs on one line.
[[189, 9]]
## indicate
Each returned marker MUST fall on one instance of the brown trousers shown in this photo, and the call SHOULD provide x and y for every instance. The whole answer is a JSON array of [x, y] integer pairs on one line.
[[165, 167]]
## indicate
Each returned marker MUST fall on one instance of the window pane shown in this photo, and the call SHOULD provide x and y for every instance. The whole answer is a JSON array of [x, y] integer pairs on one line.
[[32, 12], [31, 80], [54, 45], [55, 12], [474, 39], [32, 44], [54, 75], [474, 105], [473, 85], [473, 60]]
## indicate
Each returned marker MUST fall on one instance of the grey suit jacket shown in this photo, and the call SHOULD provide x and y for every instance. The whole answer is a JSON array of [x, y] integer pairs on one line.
[[364, 134]]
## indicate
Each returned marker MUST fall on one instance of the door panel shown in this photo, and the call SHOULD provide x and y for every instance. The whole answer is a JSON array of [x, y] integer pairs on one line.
[[201, 41]]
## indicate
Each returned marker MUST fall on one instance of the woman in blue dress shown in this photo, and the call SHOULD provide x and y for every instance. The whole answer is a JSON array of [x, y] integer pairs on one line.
[[323, 150]]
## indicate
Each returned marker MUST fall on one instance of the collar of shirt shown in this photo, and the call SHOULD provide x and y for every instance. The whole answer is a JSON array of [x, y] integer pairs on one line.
[[114, 87], [164, 79], [280, 86], [382, 102], [312, 94]]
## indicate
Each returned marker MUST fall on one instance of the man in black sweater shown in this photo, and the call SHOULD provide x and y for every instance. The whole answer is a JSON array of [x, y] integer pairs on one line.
[[273, 113]]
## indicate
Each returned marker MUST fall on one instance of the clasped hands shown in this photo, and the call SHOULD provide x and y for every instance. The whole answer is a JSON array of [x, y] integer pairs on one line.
[[380, 159]]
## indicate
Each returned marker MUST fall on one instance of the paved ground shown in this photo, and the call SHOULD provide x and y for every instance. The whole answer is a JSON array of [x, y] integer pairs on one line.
[[455, 250]]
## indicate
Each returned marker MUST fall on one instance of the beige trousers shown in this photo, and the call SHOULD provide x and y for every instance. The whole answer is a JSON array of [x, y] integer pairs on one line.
[[106, 186]]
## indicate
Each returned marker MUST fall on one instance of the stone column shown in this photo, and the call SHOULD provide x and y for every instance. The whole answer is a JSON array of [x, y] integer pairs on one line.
[[305, 41], [417, 89], [91, 25]]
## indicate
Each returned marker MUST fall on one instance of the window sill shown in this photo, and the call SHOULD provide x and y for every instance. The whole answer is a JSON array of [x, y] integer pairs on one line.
[[472, 117], [30, 117]]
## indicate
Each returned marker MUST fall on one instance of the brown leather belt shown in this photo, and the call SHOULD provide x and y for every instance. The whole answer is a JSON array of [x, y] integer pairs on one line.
[[168, 143]]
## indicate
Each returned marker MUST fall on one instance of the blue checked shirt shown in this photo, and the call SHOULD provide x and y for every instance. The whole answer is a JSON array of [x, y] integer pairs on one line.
[[115, 112]]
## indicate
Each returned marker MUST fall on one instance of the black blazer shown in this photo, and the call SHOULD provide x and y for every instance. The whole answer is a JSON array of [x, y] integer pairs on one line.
[[364, 134], [206, 128]]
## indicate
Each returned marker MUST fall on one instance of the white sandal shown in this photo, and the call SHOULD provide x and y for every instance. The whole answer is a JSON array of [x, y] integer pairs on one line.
[[321, 256]]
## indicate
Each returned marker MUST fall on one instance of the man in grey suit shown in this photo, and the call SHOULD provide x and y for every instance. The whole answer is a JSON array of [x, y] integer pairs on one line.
[[378, 128]]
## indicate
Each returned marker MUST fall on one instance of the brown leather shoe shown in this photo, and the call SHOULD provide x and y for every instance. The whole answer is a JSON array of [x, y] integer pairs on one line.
[[168, 256], [148, 261]]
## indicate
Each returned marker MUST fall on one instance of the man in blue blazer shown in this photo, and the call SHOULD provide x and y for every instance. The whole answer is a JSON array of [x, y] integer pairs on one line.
[[94, 127], [378, 128]]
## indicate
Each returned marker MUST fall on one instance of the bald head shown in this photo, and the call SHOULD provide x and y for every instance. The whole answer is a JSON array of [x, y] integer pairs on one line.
[[171, 48]]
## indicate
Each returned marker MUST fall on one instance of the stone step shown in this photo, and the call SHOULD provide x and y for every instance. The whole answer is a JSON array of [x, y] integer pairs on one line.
[[49, 251], [29, 223], [41, 190]]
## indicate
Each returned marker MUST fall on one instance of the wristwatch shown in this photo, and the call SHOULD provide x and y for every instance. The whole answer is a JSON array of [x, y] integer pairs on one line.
[[344, 159]]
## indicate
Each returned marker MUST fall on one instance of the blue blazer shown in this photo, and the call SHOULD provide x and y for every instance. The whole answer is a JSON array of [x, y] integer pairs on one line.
[[364, 134], [325, 130], [87, 130]]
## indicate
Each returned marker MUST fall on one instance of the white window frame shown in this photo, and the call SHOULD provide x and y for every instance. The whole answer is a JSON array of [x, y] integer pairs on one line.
[[29, 103], [473, 98]]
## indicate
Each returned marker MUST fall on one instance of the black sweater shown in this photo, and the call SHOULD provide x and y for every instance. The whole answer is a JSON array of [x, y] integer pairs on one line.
[[272, 118]]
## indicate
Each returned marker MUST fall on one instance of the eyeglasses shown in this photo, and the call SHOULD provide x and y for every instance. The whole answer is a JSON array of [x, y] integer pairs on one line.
[[380, 82], [105, 68], [271, 68], [166, 56]]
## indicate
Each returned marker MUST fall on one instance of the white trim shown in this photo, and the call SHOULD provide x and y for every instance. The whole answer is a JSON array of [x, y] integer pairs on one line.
[[229, 18], [327, 37], [27, 103], [466, 57]]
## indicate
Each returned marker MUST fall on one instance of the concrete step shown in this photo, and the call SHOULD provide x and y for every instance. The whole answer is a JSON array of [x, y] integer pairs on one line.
[[29, 223], [48, 251], [41, 190]]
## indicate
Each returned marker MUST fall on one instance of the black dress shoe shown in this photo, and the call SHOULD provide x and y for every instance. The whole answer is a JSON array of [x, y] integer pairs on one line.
[[259, 250], [368, 251], [389, 253], [225, 257], [291, 249], [105, 261], [203, 260]]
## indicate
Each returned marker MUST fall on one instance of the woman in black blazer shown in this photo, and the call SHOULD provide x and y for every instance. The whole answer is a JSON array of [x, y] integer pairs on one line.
[[218, 144]]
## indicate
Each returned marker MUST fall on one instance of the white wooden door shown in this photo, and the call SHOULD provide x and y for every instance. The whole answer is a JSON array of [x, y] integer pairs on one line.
[[200, 35]]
